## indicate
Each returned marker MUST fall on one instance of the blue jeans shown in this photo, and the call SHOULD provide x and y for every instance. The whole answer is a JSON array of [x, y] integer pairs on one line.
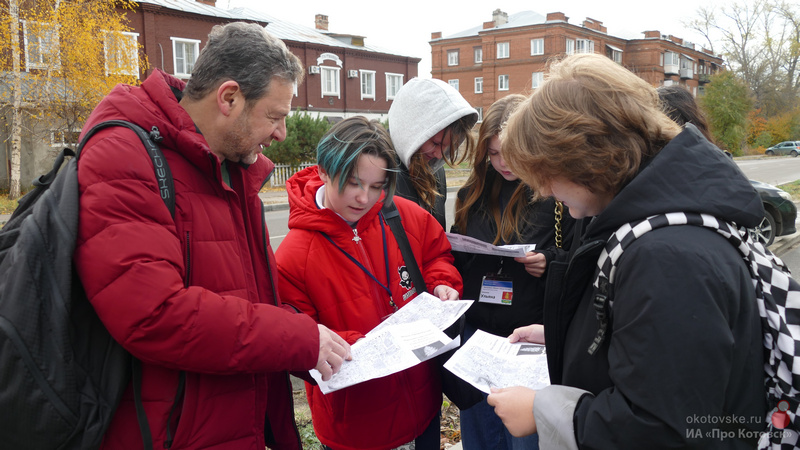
[[482, 429]]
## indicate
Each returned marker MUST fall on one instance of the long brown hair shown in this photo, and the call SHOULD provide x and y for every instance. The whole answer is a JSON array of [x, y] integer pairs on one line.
[[419, 171], [511, 221]]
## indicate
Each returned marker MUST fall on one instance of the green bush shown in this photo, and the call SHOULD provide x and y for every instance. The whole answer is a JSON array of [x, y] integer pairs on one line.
[[303, 132]]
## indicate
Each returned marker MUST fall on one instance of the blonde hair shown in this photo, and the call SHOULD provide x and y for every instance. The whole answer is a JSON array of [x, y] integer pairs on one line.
[[510, 222], [592, 122]]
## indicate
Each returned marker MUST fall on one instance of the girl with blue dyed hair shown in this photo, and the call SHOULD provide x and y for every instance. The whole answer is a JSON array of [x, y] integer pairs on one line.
[[341, 265]]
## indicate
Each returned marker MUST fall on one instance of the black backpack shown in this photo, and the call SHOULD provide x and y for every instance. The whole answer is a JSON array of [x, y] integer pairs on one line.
[[61, 373], [778, 297]]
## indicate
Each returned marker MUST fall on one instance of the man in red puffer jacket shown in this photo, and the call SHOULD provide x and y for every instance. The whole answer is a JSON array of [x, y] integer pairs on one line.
[[196, 294]]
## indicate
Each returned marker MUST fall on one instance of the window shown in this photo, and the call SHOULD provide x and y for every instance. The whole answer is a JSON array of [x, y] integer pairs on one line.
[[330, 81], [394, 81], [537, 47], [367, 84], [61, 138], [672, 63], [122, 53], [480, 113], [42, 48], [453, 83], [479, 85], [537, 79], [614, 53], [502, 50], [502, 83], [570, 46], [584, 46], [184, 53], [452, 57], [478, 53]]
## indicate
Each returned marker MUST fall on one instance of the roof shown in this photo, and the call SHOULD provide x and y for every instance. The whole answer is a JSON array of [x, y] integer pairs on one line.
[[298, 33], [520, 19], [193, 6]]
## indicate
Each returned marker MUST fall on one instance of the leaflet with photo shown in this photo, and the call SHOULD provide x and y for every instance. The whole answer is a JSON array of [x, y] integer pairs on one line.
[[487, 361]]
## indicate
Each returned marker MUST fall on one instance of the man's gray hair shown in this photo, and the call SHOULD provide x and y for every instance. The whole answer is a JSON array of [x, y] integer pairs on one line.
[[247, 54]]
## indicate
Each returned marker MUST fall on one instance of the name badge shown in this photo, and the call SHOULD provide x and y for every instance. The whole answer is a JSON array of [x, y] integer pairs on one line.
[[496, 289]]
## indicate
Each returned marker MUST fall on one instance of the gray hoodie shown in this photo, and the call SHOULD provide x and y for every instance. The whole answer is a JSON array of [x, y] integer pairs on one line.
[[422, 108]]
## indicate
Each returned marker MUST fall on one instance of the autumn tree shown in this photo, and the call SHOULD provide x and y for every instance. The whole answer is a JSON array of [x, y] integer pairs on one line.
[[727, 103], [74, 52], [760, 40]]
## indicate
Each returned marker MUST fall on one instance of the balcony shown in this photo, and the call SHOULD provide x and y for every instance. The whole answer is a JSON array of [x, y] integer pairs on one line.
[[687, 73], [671, 69], [704, 78]]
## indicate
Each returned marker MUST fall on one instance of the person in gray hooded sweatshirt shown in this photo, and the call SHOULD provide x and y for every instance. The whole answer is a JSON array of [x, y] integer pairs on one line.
[[428, 122]]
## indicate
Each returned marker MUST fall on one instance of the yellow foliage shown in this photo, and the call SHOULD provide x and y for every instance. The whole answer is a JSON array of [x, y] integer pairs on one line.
[[75, 52]]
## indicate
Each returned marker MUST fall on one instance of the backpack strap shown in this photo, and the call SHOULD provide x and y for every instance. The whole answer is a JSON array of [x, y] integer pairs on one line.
[[624, 236], [392, 217], [166, 187], [150, 140], [777, 295]]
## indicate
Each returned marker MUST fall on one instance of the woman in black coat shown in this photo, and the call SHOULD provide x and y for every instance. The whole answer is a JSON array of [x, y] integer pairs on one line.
[[496, 207]]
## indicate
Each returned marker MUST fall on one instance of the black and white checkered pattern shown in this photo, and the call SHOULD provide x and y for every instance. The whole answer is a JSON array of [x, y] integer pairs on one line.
[[778, 297]]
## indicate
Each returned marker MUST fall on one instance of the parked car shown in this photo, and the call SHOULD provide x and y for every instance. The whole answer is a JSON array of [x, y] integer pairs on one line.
[[791, 148], [780, 213]]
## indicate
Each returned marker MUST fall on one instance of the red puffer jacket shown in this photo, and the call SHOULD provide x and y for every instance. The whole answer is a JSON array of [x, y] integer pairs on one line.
[[320, 280], [196, 294]]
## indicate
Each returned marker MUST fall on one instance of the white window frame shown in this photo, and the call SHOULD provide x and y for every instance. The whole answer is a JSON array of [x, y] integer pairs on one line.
[[584, 46], [479, 85], [570, 47], [393, 79], [115, 53], [503, 50], [367, 79], [46, 46], [452, 57], [480, 113], [330, 81], [453, 83], [537, 46], [187, 67], [537, 79], [477, 53], [57, 138], [503, 83], [672, 59]]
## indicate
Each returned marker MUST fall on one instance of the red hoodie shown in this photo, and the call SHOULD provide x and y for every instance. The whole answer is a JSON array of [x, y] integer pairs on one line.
[[194, 294], [320, 280]]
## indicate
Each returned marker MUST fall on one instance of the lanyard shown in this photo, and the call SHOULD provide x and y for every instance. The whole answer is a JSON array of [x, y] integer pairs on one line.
[[361, 266]]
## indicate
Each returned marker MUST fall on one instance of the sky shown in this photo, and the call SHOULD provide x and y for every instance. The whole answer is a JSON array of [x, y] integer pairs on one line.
[[406, 29]]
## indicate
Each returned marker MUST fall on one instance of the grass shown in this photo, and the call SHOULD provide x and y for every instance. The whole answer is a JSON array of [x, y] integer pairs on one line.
[[792, 188]]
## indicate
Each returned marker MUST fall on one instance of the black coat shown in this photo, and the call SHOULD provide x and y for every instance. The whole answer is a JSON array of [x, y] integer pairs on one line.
[[528, 291], [685, 347]]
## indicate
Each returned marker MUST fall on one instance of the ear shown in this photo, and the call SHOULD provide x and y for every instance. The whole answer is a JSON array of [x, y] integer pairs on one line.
[[323, 176], [228, 97]]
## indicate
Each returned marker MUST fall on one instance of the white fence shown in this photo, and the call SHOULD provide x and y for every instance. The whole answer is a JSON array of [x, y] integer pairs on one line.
[[282, 173]]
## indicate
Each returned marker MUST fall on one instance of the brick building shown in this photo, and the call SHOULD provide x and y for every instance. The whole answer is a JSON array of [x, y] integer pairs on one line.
[[509, 55], [344, 75]]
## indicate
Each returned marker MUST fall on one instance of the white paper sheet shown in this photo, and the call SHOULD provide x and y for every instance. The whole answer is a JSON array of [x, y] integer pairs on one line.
[[486, 361], [466, 244], [408, 337]]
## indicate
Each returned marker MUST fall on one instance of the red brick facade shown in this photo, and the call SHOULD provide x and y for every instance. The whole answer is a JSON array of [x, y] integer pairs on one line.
[[504, 74]]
